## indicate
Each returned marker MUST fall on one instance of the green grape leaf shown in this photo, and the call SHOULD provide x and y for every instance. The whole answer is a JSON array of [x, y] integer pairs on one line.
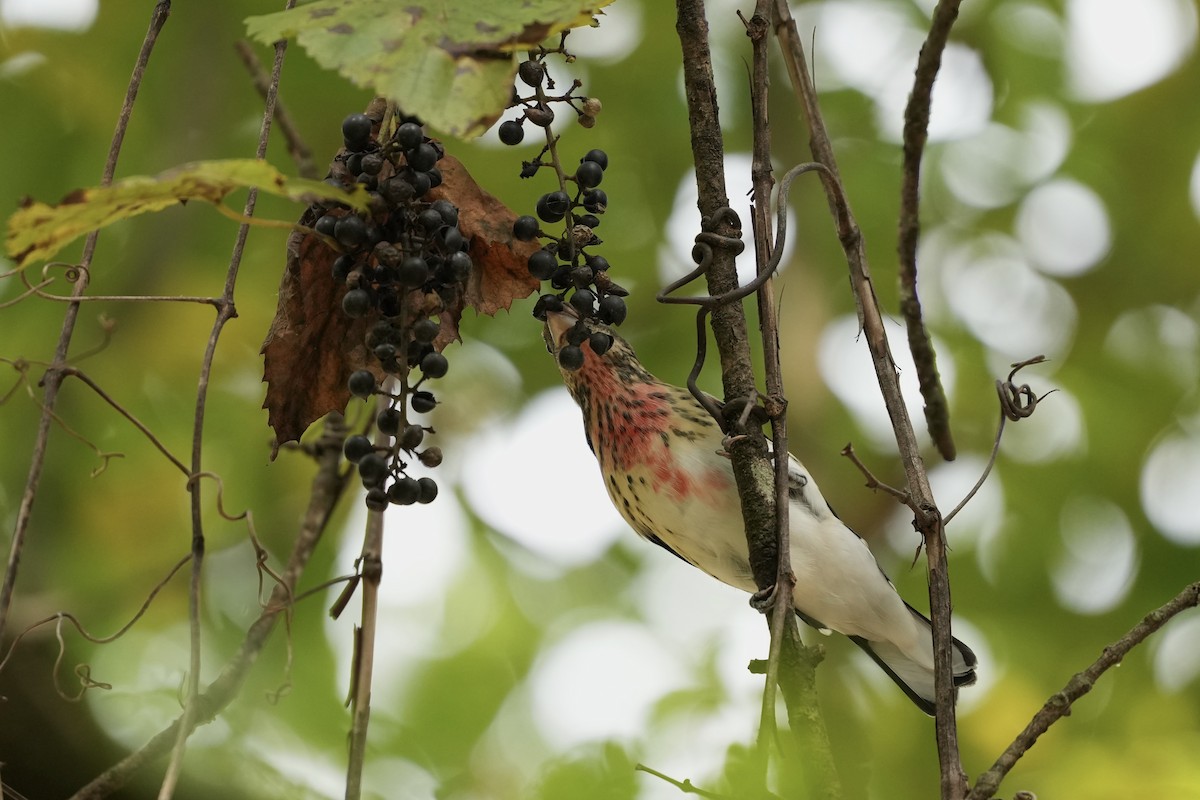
[[450, 62], [38, 230]]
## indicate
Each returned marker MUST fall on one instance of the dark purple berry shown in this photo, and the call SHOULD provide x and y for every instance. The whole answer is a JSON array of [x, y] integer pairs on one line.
[[388, 421], [411, 437], [589, 174], [612, 310], [451, 239], [595, 201], [561, 279], [342, 266], [598, 157], [421, 183], [350, 231], [356, 447], [431, 457], [526, 228], [578, 332], [326, 224], [422, 157], [409, 135], [542, 264], [584, 301], [553, 206], [512, 132], [425, 330], [404, 492], [356, 303], [429, 490], [361, 383], [377, 499], [373, 469], [356, 130], [429, 219], [571, 357], [423, 402], [434, 365], [460, 266], [600, 342], [447, 210], [413, 271]]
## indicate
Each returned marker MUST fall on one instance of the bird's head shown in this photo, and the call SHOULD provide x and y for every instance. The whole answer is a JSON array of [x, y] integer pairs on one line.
[[588, 351]]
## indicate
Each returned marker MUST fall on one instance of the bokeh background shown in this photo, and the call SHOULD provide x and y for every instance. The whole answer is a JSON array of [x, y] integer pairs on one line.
[[531, 646]]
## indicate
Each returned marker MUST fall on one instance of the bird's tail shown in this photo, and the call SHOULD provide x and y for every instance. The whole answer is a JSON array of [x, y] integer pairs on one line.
[[916, 677]]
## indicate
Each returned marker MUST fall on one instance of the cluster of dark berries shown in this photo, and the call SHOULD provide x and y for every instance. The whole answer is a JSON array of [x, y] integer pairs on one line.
[[577, 276], [537, 108], [401, 262], [580, 278]]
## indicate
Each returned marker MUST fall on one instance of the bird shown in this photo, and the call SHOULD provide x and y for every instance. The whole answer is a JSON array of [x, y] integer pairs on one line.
[[662, 459]]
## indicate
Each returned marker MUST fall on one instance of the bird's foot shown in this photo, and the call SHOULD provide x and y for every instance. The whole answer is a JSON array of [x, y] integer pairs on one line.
[[764, 599]]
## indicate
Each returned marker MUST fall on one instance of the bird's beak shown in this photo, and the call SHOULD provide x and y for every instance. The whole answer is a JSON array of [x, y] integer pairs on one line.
[[557, 325]]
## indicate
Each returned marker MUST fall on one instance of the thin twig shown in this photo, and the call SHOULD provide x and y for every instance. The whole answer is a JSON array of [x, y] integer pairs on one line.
[[54, 375], [162, 448], [298, 149], [927, 519], [916, 133], [328, 485], [1059, 704], [872, 481], [1016, 403], [63, 615], [225, 312], [685, 786]]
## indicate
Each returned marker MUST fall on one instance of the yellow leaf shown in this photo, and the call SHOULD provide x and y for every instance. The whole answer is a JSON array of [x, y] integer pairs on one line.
[[38, 230]]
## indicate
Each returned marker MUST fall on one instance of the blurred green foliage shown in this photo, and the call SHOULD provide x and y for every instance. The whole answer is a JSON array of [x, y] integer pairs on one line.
[[457, 720]]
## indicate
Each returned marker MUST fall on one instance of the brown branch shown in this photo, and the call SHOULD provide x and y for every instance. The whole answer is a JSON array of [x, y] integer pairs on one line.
[[748, 453], [328, 486], [751, 468], [762, 181], [916, 132], [790, 664], [54, 375], [371, 569], [927, 519], [1059, 705]]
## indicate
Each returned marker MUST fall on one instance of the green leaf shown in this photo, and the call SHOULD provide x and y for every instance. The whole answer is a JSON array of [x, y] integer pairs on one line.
[[448, 62], [39, 231]]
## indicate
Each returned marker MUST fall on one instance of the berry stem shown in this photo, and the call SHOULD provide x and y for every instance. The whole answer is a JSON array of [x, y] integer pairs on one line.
[[556, 162]]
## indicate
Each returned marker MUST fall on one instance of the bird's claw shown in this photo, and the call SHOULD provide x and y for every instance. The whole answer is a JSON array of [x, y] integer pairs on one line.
[[762, 600]]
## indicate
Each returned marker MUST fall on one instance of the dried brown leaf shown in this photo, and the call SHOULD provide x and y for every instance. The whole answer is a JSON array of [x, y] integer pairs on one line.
[[312, 347]]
